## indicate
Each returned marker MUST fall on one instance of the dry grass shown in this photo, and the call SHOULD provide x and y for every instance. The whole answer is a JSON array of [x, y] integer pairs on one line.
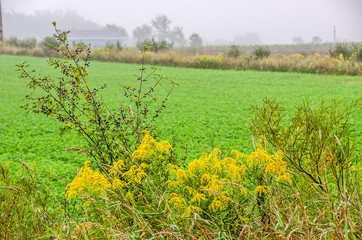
[[192, 59]]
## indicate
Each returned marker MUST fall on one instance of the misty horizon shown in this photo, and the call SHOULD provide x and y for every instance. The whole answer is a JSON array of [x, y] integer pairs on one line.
[[277, 22]]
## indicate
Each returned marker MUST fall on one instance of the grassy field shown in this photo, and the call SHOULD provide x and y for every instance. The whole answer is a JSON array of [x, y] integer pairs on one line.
[[208, 105]]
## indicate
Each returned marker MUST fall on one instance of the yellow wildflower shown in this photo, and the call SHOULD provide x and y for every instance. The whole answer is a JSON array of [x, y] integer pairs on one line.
[[214, 184], [117, 167], [243, 191], [149, 147], [191, 209], [215, 205], [215, 177], [171, 168], [117, 183], [251, 159], [205, 179], [285, 177], [259, 190], [143, 166], [340, 57], [189, 190], [219, 203], [129, 196], [177, 200], [181, 176], [198, 197], [172, 184], [134, 175], [237, 172], [87, 180], [238, 155]]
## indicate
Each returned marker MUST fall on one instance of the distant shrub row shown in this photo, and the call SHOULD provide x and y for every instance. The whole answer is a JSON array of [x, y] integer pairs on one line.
[[235, 51], [259, 60], [353, 50], [29, 43], [343, 58]]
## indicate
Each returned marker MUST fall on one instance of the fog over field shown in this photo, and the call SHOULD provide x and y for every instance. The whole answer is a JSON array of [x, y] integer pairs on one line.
[[267, 21]]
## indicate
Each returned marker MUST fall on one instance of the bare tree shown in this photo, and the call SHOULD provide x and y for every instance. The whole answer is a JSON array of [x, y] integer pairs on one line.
[[142, 33], [195, 40], [1, 25], [121, 30], [316, 40], [298, 40], [162, 26], [177, 36]]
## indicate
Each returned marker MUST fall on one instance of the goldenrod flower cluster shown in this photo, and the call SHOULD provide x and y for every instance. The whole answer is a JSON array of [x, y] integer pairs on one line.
[[201, 185], [297, 55], [259, 190], [210, 182], [122, 175], [271, 164], [96, 182], [150, 148], [87, 180]]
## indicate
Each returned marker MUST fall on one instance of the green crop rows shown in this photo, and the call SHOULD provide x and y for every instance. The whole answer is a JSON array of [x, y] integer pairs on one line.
[[208, 106]]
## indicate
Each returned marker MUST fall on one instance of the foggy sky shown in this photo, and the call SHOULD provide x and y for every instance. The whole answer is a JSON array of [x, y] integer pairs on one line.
[[276, 21]]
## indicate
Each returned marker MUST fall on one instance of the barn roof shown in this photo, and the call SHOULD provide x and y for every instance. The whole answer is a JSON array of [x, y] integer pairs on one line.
[[94, 34]]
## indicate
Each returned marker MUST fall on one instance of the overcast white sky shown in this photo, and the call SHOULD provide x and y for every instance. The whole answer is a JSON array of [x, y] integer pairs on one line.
[[276, 21]]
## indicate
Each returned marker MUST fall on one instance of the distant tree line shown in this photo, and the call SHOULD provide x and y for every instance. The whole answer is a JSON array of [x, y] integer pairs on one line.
[[299, 40], [160, 30], [159, 34], [38, 25]]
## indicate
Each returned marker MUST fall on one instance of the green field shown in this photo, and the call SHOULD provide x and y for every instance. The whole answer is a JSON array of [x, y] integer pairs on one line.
[[208, 104]]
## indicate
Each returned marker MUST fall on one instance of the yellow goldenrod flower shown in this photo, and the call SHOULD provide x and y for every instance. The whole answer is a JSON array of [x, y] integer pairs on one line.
[[198, 198], [205, 179], [117, 167], [117, 183], [219, 203], [87, 180], [149, 147], [259, 190], [251, 159], [144, 166], [243, 191], [129, 196], [218, 178], [340, 57], [238, 155], [181, 176], [285, 177], [191, 209], [215, 205], [177, 200], [189, 190], [134, 175]]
